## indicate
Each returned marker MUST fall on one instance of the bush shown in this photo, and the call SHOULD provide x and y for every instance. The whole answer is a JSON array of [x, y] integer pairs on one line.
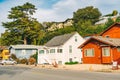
[[23, 61], [34, 56], [70, 63], [17, 60], [32, 61], [13, 56]]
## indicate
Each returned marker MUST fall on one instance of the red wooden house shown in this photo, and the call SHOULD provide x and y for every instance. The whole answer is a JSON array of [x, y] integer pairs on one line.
[[104, 48]]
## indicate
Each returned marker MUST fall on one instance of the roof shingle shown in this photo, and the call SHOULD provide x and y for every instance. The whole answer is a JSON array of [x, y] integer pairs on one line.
[[109, 41], [112, 41], [59, 40]]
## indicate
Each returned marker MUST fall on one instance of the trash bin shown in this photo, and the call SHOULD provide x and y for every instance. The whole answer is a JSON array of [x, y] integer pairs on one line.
[[114, 65]]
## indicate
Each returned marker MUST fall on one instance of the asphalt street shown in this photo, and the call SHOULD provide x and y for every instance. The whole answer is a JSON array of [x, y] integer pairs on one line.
[[25, 73]]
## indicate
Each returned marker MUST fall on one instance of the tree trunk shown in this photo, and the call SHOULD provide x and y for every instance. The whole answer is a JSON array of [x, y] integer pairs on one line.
[[25, 40]]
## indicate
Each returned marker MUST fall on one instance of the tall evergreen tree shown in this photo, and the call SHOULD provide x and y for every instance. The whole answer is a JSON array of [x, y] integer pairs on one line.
[[22, 24]]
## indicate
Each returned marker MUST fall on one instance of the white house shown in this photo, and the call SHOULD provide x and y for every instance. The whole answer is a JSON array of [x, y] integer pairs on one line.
[[23, 51], [63, 48]]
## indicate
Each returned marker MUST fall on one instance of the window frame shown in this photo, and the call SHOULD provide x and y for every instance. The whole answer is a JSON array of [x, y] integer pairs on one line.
[[70, 49], [107, 36], [86, 54], [41, 50], [59, 50], [103, 52], [76, 38], [118, 49], [52, 50]]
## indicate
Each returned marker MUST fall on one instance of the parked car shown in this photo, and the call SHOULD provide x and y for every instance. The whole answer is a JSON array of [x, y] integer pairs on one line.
[[8, 61]]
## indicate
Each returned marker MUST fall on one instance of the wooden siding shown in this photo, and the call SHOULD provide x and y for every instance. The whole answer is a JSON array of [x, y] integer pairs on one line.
[[116, 55], [106, 59], [96, 59], [113, 32]]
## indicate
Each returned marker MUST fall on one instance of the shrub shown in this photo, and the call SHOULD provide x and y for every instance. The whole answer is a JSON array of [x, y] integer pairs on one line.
[[70, 63], [17, 60], [34, 56], [23, 61], [32, 61], [13, 56]]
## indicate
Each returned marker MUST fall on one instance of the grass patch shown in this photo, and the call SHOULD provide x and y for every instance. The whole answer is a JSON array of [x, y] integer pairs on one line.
[[71, 63]]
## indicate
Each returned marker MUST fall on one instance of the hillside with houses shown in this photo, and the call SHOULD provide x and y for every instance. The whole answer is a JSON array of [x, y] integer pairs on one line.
[[72, 48], [88, 37]]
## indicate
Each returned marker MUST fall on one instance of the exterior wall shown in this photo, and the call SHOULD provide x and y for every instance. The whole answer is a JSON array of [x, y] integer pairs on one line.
[[116, 55], [96, 59], [113, 32], [23, 53], [63, 57], [5, 54], [76, 54], [48, 57]]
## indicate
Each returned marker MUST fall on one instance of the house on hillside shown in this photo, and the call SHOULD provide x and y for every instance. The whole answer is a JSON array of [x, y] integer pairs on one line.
[[63, 48], [104, 19], [23, 51], [103, 49], [59, 25]]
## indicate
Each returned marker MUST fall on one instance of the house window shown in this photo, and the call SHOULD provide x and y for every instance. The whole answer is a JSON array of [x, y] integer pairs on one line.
[[106, 51], [118, 49], [59, 50], [41, 52], [89, 52], [70, 60], [107, 36], [75, 38], [70, 49], [52, 50]]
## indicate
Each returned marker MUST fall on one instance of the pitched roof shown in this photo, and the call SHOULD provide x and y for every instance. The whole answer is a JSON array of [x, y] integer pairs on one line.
[[59, 40], [110, 27], [24, 46], [109, 41]]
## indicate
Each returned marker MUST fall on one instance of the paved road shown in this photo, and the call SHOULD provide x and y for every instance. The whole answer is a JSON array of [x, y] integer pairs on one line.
[[23, 73]]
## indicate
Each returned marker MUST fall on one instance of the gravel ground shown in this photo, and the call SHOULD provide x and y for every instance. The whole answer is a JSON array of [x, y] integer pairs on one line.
[[85, 67]]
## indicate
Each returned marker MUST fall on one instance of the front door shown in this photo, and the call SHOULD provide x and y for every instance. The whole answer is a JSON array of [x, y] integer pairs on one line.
[[106, 56]]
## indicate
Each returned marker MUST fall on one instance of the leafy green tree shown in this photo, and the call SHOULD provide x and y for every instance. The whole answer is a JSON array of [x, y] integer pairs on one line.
[[8, 38], [117, 19], [84, 20], [114, 13], [88, 13], [109, 23], [22, 24], [49, 35]]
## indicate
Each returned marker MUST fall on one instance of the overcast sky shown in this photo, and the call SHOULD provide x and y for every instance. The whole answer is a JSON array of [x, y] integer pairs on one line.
[[57, 10]]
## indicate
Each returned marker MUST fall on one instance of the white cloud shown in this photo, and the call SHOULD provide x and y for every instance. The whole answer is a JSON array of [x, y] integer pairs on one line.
[[60, 10], [7, 5]]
